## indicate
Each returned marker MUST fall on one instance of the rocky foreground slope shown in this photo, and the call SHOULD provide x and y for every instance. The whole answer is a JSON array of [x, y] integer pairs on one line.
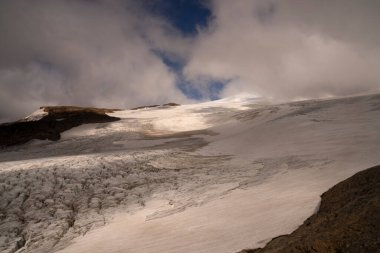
[[348, 220]]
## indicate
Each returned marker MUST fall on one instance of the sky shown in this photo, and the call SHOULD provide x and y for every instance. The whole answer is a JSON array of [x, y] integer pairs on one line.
[[126, 53]]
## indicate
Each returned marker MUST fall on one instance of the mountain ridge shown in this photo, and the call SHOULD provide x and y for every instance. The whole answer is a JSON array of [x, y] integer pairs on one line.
[[51, 122]]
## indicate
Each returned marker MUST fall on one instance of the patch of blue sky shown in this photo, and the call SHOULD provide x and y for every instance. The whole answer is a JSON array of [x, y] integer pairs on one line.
[[185, 15], [209, 89]]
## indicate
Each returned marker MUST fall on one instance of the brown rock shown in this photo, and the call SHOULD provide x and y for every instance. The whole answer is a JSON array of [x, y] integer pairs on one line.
[[152, 106], [144, 107], [58, 120]]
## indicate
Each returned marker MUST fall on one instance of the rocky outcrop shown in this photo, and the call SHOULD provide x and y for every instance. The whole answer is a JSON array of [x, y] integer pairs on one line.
[[348, 220], [57, 120], [153, 106]]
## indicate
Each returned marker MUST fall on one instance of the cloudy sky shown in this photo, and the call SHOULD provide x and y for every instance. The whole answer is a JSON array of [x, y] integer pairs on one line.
[[124, 53]]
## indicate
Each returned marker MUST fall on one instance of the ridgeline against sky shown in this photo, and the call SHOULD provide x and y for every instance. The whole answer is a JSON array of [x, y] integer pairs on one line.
[[124, 53]]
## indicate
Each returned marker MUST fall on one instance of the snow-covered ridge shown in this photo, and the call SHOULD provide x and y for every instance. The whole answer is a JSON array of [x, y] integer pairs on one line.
[[36, 115], [50, 125], [187, 117]]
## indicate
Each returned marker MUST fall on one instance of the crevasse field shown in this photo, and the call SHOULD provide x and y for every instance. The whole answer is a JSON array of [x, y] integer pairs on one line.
[[210, 177]]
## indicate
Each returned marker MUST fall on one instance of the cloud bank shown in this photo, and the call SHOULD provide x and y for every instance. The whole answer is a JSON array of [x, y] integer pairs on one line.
[[90, 53], [104, 53], [289, 49]]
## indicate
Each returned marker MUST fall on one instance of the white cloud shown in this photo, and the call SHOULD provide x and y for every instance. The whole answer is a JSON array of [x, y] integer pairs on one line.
[[83, 53], [101, 53], [288, 49]]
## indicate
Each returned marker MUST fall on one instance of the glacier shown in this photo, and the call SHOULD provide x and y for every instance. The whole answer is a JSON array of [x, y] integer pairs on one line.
[[216, 176]]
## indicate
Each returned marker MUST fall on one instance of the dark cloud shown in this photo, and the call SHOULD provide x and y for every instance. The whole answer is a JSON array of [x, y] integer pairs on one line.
[[265, 11]]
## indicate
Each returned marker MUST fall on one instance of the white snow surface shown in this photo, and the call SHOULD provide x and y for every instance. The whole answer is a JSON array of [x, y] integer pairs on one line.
[[212, 177], [35, 116]]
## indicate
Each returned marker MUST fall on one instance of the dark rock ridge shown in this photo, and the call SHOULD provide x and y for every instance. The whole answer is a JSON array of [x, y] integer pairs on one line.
[[152, 106], [348, 220], [58, 120]]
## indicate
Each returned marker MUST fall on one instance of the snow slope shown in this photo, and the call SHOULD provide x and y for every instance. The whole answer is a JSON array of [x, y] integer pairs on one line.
[[211, 177], [36, 115]]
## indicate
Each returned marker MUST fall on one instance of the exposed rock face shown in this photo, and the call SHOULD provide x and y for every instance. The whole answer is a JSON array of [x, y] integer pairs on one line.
[[171, 104], [152, 106], [348, 220], [58, 120]]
